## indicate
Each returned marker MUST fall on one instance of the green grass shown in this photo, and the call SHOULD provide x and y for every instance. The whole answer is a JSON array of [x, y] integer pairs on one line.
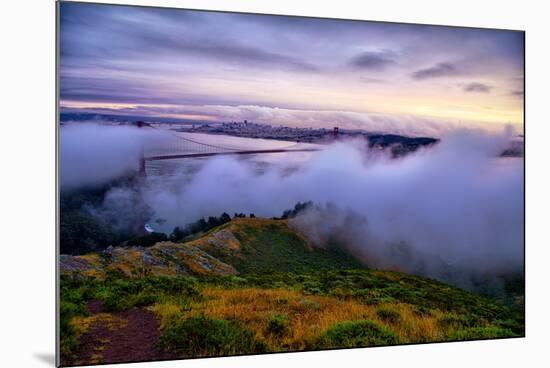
[[273, 247]]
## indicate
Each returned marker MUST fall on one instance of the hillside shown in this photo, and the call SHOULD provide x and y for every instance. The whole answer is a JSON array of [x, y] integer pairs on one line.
[[251, 286], [241, 245]]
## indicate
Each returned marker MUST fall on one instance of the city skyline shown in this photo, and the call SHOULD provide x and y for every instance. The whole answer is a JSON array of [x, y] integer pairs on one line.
[[293, 71]]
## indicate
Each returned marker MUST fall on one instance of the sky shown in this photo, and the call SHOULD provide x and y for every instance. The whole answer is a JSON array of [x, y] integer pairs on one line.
[[293, 71]]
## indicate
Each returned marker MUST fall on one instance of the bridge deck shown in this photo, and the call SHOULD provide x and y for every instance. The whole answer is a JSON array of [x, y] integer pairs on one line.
[[208, 154]]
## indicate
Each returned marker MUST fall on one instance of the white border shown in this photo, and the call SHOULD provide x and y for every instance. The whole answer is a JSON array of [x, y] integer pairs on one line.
[[27, 187]]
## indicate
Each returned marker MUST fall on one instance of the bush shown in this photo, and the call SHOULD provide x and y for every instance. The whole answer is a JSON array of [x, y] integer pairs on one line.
[[205, 336], [389, 315], [277, 325], [356, 334]]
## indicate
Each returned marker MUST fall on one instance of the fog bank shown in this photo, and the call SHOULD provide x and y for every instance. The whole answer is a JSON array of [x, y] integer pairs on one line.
[[94, 154], [454, 208], [453, 211]]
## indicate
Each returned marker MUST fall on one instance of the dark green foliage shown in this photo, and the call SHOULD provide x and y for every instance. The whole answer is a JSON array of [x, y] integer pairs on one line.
[[147, 240], [82, 232], [200, 226], [277, 325], [356, 334], [388, 314], [204, 336], [298, 207]]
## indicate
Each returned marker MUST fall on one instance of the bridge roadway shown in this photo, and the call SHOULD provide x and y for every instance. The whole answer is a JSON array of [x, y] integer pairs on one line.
[[208, 154]]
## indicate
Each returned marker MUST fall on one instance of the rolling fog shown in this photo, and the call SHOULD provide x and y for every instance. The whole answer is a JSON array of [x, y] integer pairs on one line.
[[453, 211]]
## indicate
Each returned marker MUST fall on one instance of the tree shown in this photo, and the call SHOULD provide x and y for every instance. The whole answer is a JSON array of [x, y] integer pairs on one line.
[[177, 234]]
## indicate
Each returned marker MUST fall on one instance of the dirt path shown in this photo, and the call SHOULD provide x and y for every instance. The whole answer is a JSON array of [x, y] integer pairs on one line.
[[128, 336]]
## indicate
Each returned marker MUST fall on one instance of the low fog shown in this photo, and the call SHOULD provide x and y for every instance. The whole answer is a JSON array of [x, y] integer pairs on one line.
[[94, 154], [453, 211]]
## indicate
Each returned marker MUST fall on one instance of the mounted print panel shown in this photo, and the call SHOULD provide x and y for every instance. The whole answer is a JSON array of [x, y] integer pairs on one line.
[[235, 183]]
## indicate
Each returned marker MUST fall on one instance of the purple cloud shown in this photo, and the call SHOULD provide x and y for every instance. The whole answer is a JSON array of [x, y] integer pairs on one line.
[[437, 71], [375, 60], [477, 87]]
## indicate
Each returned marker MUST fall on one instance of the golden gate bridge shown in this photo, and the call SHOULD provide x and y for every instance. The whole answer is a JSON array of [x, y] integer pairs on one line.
[[177, 146]]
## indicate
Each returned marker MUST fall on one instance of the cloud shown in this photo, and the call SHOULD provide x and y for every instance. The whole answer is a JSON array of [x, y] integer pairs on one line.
[[372, 80], [373, 60], [452, 211], [437, 71], [477, 87], [93, 154], [405, 124]]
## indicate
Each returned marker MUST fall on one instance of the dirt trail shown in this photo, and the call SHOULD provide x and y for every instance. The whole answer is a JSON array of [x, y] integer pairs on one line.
[[129, 336]]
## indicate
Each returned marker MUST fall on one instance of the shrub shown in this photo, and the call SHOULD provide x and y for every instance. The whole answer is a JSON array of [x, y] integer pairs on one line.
[[356, 334], [389, 315], [277, 325], [205, 336], [115, 300]]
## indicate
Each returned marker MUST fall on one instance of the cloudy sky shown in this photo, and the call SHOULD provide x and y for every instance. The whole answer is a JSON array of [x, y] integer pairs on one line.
[[205, 66]]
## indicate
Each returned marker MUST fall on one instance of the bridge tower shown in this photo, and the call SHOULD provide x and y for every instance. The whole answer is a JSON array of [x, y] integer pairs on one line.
[[142, 171], [335, 133]]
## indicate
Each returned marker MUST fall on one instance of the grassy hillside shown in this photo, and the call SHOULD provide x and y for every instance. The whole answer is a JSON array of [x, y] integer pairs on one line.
[[255, 285], [242, 245], [263, 245]]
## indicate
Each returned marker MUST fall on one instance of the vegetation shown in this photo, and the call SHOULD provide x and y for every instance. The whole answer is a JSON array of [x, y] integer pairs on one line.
[[355, 334], [82, 230], [259, 312], [204, 336], [200, 226], [253, 285], [299, 207]]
